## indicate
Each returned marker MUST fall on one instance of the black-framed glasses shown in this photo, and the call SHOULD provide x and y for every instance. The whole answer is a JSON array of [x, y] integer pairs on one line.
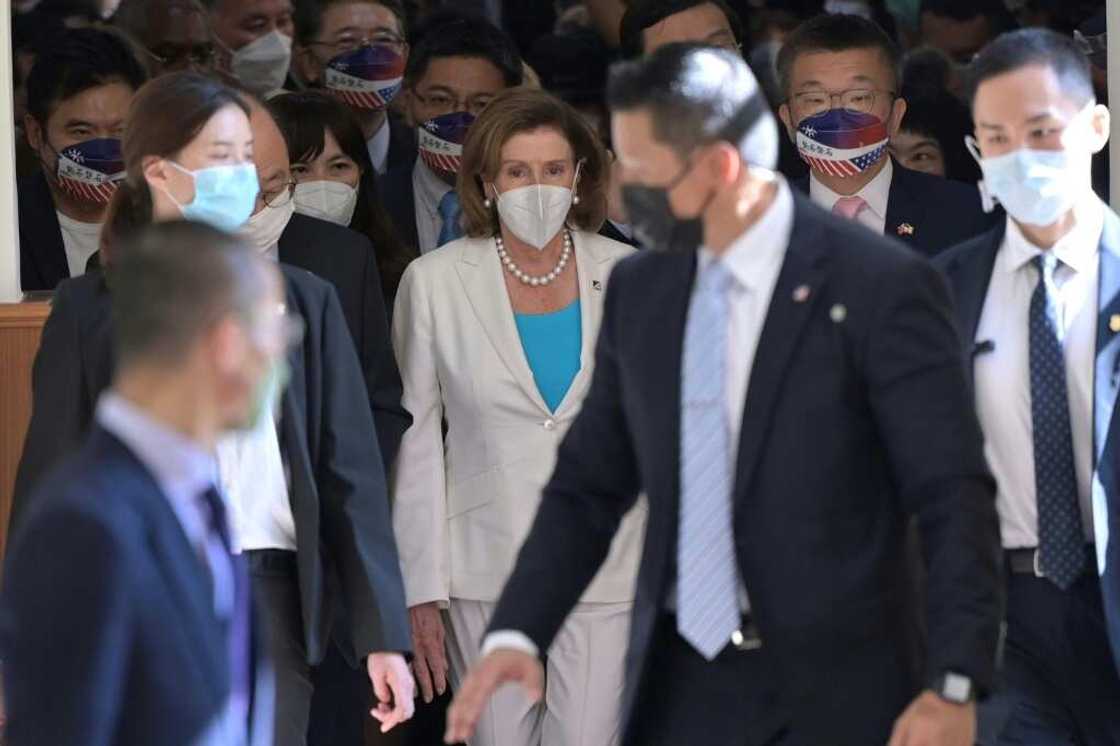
[[348, 44], [809, 103], [281, 196], [445, 103], [180, 58]]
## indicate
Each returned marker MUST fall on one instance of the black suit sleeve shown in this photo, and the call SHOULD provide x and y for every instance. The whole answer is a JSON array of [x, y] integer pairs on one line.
[[383, 377], [595, 483], [357, 530], [60, 410], [926, 419], [74, 639]]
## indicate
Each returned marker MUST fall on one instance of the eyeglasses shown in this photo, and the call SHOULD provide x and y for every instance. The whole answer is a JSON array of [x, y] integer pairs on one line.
[[279, 197], [350, 43], [809, 103], [180, 58], [445, 104]]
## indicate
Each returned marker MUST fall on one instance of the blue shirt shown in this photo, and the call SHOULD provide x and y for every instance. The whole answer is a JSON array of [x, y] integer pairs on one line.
[[552, 343]]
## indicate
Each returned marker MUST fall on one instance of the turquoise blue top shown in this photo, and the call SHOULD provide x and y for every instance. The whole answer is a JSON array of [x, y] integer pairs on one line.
[[552, 343]]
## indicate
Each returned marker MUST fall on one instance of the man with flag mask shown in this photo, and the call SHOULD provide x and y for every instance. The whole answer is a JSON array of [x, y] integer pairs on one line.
[[458, 66], [79, 92], [838, 75], [356, 50]]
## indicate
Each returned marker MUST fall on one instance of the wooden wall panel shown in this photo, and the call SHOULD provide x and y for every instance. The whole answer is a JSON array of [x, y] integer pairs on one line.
[[21, 325]]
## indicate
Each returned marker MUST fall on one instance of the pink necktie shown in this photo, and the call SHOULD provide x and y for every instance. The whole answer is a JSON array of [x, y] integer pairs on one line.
[[849, 207]]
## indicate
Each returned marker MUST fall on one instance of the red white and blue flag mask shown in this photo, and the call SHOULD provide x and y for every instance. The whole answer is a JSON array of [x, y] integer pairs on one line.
[[368, 77], [841, 142], [441, 141], [90, 171]]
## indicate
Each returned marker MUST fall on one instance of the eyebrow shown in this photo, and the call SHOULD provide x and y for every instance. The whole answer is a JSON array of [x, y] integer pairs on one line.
[[926, 141], [359, 29], [79, 123]]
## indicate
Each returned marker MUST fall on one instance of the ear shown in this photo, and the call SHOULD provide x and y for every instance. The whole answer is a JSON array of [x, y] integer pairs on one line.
[[34, 132], [225, 346], [1100, 122], [787, 119], [156, 171], [725, 164], [894, 121]]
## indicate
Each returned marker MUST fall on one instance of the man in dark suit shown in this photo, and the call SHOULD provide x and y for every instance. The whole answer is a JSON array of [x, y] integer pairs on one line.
[[774, 605], [838, 74], [1038, 306], [122, 581], [78, 95]]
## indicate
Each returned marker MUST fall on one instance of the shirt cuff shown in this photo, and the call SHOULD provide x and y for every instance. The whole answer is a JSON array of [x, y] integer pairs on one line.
[[509, 639]]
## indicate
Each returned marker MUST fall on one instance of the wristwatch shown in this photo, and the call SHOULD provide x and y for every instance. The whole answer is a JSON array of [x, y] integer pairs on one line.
[[954, 687]]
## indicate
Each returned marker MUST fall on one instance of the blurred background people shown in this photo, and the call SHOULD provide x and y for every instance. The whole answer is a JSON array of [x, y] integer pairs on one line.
[[335, 180], [357, 50], [254, 39], [174, 34], [129, 538], [79, 93], [454, 72], [931, 137], [961, 28], [495, 334]]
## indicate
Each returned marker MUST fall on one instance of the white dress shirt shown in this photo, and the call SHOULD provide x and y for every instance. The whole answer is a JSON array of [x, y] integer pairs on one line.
[[876, 193], [755, 260], [378, 147], [1002, 375], [81, 241], [428, 189]]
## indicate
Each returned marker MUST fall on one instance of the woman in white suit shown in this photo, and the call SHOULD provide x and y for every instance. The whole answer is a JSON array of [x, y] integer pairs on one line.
[[495, 336]]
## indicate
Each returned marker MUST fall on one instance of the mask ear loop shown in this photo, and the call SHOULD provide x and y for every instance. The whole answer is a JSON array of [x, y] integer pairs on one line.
[[189, 173], [987, 199]]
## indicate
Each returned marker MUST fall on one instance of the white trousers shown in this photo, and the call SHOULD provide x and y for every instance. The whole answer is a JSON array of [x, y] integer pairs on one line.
[[583, 679]]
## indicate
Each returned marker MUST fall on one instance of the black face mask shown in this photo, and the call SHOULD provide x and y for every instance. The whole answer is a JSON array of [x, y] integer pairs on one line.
[[651, 216]]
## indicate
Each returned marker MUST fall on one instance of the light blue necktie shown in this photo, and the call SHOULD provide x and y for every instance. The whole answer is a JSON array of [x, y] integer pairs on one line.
[[450, 212], [1061, 542], [707, 574]]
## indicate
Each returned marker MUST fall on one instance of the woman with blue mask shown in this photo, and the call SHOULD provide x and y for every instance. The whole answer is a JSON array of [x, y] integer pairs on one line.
[[187, 152]]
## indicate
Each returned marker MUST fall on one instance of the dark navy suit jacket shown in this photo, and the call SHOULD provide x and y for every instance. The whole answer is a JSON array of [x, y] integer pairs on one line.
[[929, 213], [857, 417], [969, 269], [109, 635]]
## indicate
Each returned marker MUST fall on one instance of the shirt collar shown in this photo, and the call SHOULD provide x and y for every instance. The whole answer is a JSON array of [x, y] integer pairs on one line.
[[1077, 249], [762, 246], [432, 188], [378, 147], [876, 193], [182, 467]]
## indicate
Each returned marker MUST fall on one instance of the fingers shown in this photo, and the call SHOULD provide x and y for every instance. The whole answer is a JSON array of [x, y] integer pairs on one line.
[[377, 675], [401, 691], [439, 667], [462, 717], [421, 669]]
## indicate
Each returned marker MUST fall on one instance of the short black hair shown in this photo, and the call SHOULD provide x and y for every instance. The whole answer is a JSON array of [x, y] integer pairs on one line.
[[835, 33], [1034, 46], [465, 36], [76, 61], [172, 281], [695, 94], [641, 14], [309, 16], [942, 116], [965, 10]]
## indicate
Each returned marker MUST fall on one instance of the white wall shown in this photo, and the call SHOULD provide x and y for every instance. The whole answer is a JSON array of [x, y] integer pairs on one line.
[[9, 233]]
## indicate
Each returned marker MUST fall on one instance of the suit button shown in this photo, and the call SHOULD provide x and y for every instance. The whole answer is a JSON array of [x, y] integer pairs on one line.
[[550, 424]]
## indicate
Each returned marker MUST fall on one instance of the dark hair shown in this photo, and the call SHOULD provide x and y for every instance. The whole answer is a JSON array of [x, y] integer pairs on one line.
[[943, 117], [965, 10], [309, 16], [76, 61], [165, 116], [464, 36], [926, 69], [304, 118], [835, 33], [172, 282], [692, 102], [1034, 46], [641, 14]]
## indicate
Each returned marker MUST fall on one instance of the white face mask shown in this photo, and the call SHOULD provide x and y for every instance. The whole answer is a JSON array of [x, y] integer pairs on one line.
[[536, 213], [262, 66], [264, 229], [327, 200]]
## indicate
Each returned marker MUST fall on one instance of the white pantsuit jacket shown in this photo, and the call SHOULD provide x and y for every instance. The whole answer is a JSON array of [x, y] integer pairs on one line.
[[483, 443]]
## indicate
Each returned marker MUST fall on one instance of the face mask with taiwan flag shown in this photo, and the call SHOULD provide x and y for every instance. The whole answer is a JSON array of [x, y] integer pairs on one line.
[[841, 142], [441, 141], [368, 77], [90, 171]]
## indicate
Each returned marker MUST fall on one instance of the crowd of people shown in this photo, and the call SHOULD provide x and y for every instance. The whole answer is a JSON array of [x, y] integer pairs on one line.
[[717, 372]]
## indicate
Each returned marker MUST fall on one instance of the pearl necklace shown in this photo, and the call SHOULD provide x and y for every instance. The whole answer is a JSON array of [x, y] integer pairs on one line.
[[507, 262]]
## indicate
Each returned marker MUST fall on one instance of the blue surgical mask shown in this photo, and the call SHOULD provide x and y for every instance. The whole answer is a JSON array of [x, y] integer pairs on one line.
[[1036, 187], [224, 196]]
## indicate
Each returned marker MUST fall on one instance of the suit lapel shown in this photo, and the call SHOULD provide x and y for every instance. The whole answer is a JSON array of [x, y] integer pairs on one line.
[[481, 274], [49, 244], [1108, 324], [905, 210], [592, 270], [805, 265], [970, 274]]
